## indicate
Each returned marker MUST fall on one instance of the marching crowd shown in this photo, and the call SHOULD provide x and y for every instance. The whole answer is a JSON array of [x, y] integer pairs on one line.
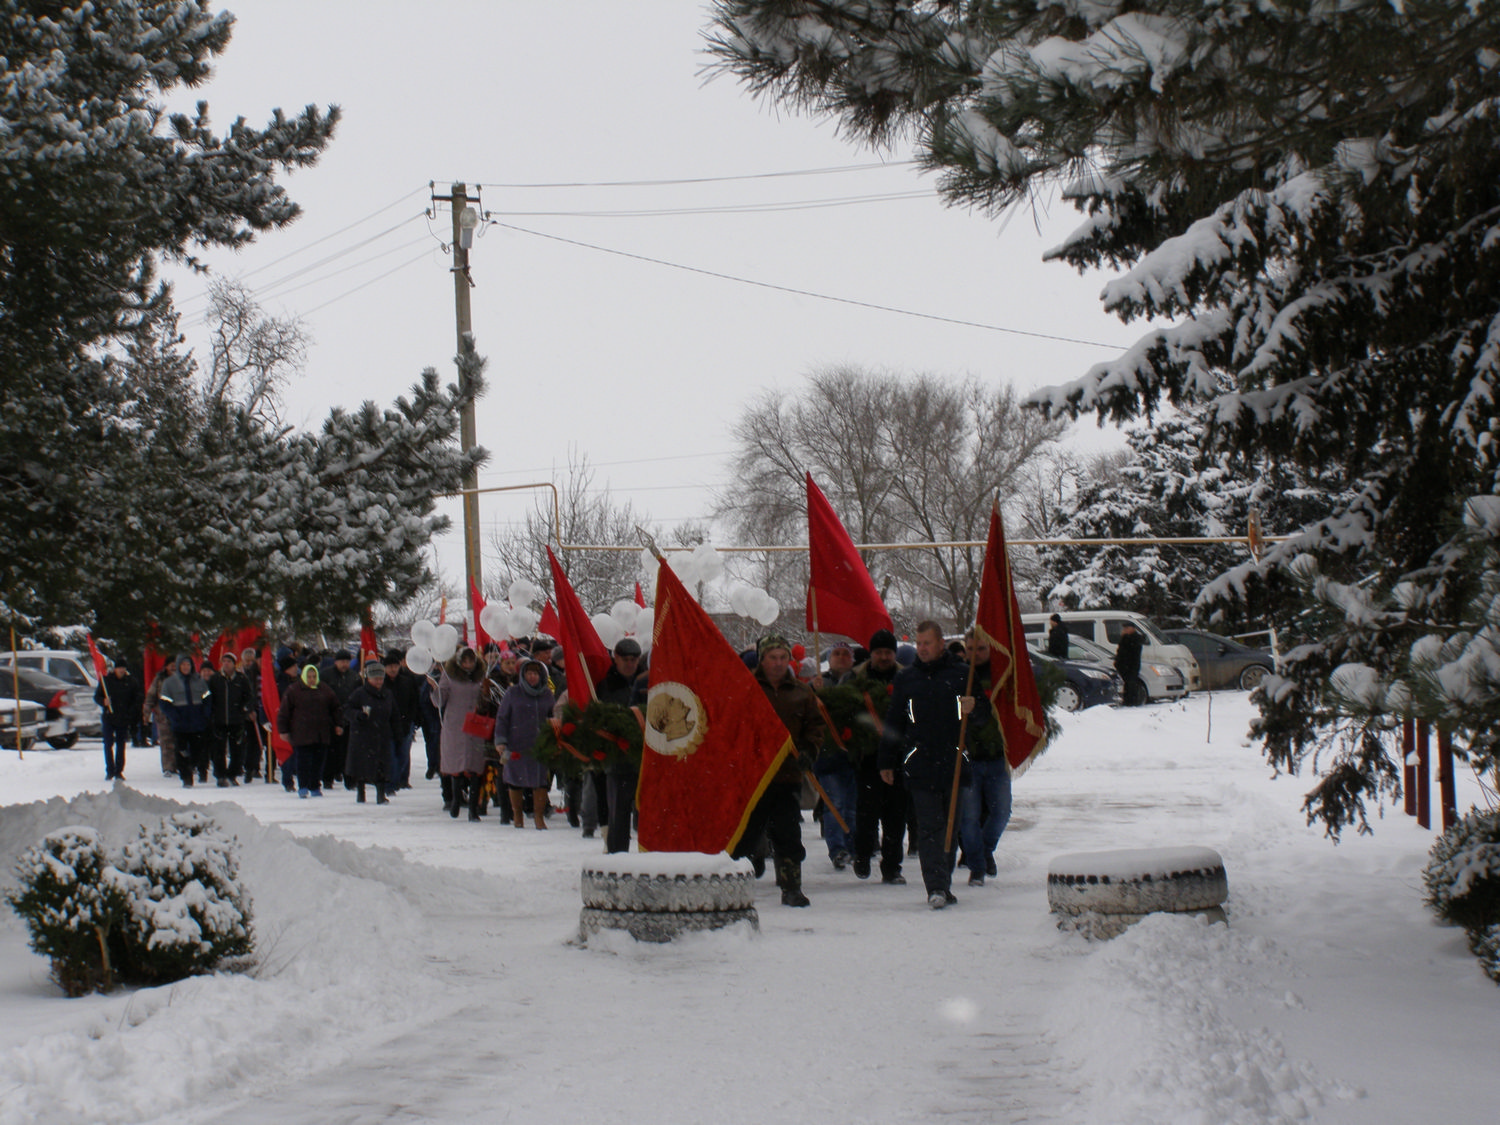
[[481, 713]]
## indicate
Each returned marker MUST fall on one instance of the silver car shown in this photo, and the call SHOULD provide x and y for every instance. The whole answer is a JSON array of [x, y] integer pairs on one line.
[[1163, 681]]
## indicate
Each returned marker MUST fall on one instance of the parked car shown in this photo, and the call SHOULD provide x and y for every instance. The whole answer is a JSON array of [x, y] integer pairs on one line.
[[1163, 681], [1088, 685], [73, 668], [31, 716], [67, 705], [1103, 626], [1223, 661]]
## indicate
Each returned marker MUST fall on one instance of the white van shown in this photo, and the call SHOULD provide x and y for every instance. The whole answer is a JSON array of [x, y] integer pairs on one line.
[[76, 669], [1102, 626]]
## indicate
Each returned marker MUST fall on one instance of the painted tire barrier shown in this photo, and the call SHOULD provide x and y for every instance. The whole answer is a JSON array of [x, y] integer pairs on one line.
[[1101, 893], [656, 896]]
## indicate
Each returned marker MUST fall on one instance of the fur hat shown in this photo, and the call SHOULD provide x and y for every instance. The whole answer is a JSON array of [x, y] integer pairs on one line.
[[882, 638]]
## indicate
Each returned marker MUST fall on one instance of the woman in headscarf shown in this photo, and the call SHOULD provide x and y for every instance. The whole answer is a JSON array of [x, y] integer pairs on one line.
[[524, 709], [461, 753], [310, 719]]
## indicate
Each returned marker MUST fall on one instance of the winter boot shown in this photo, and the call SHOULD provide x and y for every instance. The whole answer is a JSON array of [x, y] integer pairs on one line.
[[359, 794], [380, 797], [789, 879], [458, 797], [517, 812], [539, 807], [475, 790]]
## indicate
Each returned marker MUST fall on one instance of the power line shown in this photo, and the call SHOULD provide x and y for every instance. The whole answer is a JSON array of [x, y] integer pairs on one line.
[[363, 285], [723, 209], [705, 179], [806, 292]]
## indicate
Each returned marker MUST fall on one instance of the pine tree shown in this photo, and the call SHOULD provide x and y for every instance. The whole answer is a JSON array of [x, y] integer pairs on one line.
[[1307, 198]]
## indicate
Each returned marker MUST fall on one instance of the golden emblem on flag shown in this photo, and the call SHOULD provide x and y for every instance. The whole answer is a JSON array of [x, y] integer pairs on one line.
[[675, 722]]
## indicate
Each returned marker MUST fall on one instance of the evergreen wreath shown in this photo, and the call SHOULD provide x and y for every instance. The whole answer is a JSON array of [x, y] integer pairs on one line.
[[851, 717], [602, 734]]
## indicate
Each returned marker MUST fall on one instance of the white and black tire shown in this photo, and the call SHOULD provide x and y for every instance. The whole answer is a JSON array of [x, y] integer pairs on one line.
[[660, 926], [1101, 893], [660, 893]]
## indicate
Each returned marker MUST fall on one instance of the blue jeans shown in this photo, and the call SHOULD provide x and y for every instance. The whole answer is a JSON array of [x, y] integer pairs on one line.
[[841, 785], [400, 771], [983, 812]]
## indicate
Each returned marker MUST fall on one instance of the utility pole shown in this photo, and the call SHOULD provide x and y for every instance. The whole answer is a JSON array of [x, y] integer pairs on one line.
[[465, 221]]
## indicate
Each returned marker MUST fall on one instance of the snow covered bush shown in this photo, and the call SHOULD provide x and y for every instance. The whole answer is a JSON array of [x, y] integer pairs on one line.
[[1463, 883], [187, 910], [169, 906], [73, 902]]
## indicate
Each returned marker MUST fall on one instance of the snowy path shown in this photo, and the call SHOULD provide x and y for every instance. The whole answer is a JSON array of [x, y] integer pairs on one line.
[[421, 969]]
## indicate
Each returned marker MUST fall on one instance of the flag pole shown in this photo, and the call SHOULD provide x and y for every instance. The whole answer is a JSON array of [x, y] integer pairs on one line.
[[963, 724]]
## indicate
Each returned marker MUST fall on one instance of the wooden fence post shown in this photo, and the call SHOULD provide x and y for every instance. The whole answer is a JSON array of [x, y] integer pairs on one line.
[[1424, 775], [1409, 765], [1446, 790]]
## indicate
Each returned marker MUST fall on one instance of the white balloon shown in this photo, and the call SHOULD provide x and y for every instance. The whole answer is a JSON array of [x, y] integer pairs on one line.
[[419, 660], [608, 629], [624, 612], [770, 611], [739, 599], [648, 567], [522, 592], [520, 621], [709, 563], [421, 633], [645, 621], [492, 619], [444, 642]]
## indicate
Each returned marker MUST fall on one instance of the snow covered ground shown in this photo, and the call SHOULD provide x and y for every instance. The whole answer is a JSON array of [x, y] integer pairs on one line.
[[418, 968]]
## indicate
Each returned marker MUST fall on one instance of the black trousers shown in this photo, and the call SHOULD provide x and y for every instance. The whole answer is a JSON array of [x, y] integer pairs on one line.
[[931, 829], [621, 784], [192, 753], [778, 814], [229, 751], [879, 818]]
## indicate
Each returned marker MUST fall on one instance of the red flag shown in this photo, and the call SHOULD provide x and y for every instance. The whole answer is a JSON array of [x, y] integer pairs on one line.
[[97, 659], [584, 655], [248, 637], [640, 598], [152, 662], [712, 739], [217, 649], [1013, 690], [270, 699], [549, 623], [841, 595], [477, 601]]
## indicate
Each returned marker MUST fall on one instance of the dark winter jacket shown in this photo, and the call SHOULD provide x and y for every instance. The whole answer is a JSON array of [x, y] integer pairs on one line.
[[519, 720], [797, 708], [406, 702], [185, 699], [124, 695], [309, 711], [923, 721], [344, 684], [1058, 642], [233, 699], [1128, 656], [370, 719], [613, 687]]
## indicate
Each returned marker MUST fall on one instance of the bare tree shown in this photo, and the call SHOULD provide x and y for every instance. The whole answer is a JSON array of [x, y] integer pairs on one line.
[[253, 355], [911, 460]]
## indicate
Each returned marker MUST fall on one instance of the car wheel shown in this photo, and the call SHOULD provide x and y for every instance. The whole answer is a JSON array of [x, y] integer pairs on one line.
[[64, 741], [1251, 677], [1069, 699]]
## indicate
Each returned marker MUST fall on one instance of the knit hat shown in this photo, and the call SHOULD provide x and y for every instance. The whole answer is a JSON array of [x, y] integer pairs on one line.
[[248, 654], [627, 646], [770, 641], [394, 656], [842, 646], [882, 638], [343, 654], [374, 668]]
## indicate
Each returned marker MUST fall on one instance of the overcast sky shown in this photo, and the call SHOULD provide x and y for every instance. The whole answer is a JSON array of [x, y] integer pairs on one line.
[[642, 367]]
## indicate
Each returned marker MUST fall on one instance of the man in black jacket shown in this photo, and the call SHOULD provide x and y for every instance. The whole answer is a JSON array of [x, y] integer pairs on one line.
[[622, 685], [1128, 664], [1057, 638], [402, 683], [880, 807], [921, 740], [231, 700], [121, 698]]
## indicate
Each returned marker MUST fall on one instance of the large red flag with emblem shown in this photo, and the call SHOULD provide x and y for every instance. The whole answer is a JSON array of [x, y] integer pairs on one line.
[[585, 659], [270, 699], [841, 595], [712, 739], [1013, 690]]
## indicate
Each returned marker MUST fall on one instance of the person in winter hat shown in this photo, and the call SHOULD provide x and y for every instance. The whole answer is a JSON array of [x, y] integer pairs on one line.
[[370, 718], [525, 707], [230, 692], [310, 719], [119, 698], [184, 698], [880, 812]]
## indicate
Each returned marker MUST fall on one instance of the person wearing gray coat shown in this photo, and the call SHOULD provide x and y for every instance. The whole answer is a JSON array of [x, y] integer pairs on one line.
[[523, 710], [461, 754]]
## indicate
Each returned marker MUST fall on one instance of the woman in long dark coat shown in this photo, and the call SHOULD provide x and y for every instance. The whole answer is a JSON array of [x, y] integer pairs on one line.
[[462, 754], [370, 716], [524, 709]]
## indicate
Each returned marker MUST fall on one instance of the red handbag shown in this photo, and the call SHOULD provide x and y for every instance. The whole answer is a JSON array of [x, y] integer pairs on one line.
[[480, 726]]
